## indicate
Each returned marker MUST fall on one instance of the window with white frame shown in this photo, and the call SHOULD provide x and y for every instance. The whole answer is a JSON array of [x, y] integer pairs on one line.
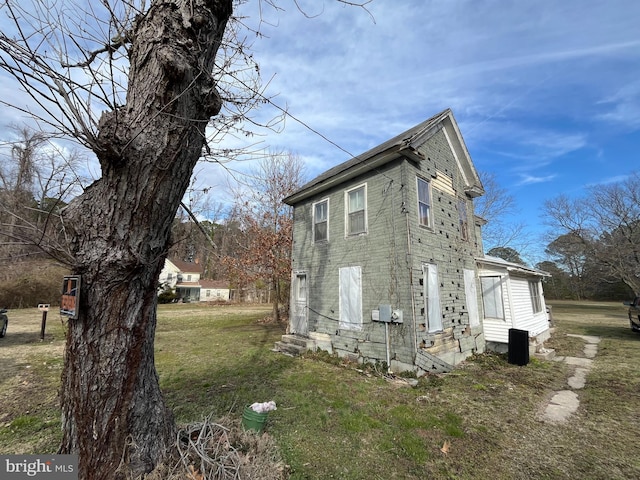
[[536, 300], [356, 209], [424, 202], [492, 297], [321, 221], [431, 288], [301, 284]]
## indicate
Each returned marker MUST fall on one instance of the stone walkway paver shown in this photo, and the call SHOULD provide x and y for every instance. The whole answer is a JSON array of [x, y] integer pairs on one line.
[[565, 402]]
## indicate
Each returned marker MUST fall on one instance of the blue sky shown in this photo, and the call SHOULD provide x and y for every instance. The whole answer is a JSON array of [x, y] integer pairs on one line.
[[546, 93]]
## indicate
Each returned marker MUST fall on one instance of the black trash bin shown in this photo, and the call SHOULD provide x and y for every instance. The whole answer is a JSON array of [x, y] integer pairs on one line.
[[518, 346]]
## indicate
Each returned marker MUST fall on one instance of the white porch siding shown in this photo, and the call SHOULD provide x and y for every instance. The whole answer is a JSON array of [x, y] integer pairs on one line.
[[534, 323], [496, 330]]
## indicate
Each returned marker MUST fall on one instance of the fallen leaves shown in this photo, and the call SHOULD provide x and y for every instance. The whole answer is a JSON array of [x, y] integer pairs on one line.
[[195, 474], [446, 446]]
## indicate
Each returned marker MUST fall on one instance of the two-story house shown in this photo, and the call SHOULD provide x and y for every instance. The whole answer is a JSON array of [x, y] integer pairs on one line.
[[183, 277], [384, 253]]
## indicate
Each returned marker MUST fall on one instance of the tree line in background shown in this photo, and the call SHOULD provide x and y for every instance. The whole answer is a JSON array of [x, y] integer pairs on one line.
[[247, 243], [36, 179], [250, 245], [593, 250], [597, 251]]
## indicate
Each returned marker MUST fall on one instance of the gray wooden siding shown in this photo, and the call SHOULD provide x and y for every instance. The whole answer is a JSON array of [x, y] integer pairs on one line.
[[443, 245], [391, 255]]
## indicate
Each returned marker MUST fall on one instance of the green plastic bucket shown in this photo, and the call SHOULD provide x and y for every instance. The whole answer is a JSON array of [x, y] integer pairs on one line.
[[253, 420]]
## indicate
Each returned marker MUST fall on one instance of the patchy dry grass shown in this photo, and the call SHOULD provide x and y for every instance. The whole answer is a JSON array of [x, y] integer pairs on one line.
[[30, 371], [339, 420]]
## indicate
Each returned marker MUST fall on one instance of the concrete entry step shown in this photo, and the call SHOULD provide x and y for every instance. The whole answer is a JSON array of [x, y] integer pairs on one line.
[[290, 349], [295, 345], [297, 340], [545, 354]]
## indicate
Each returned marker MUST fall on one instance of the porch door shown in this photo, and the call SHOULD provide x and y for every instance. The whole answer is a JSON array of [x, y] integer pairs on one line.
[[299, 319]]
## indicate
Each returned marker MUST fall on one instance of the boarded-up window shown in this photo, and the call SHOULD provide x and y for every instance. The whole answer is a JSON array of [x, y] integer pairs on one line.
[[471, 292], [433, 313], [463, 219], [350, 296], [536, 300], [492, 297], [424, 202], [320, 221]]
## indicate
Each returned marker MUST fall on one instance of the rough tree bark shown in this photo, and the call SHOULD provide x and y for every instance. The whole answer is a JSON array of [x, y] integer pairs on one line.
[[113, 409]]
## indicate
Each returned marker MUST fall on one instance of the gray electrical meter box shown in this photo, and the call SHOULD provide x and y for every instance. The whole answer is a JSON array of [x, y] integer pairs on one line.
[[385, 313]]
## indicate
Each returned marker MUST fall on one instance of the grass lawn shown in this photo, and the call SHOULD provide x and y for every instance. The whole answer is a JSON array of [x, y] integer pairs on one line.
[[343, 421]]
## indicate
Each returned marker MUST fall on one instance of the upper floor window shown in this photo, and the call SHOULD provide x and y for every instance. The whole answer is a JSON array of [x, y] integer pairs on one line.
[[321, 221], [424, 202], [463, 219], [356, 200]]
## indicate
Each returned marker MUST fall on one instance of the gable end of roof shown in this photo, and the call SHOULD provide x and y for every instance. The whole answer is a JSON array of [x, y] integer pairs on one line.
[[403, 145]]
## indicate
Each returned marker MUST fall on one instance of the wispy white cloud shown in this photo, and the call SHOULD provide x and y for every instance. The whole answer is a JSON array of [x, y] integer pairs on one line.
[[531, 179], [622, 108]]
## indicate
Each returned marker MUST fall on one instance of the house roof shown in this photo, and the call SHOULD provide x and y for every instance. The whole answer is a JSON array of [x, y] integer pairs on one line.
[[511, 266], [405, 144], [186, 267], [217, 284]]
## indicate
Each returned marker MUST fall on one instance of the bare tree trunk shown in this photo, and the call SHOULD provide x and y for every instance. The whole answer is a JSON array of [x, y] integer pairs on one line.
[[113, 409], [276, 298]]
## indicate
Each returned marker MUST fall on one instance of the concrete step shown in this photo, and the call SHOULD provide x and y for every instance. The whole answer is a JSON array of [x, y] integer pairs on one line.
[[290, 348], [295, 345], [296, 340], [545, 354]]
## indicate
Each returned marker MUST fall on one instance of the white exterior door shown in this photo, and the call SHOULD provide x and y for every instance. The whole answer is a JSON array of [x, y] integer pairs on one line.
[[299, 319]]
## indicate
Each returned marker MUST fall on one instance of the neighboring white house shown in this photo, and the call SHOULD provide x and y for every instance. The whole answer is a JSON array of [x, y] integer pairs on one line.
[[214, 290], [183, 277], [512, 297]]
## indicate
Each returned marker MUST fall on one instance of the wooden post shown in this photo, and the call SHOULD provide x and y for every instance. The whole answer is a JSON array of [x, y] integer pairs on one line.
[[44, 308]]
